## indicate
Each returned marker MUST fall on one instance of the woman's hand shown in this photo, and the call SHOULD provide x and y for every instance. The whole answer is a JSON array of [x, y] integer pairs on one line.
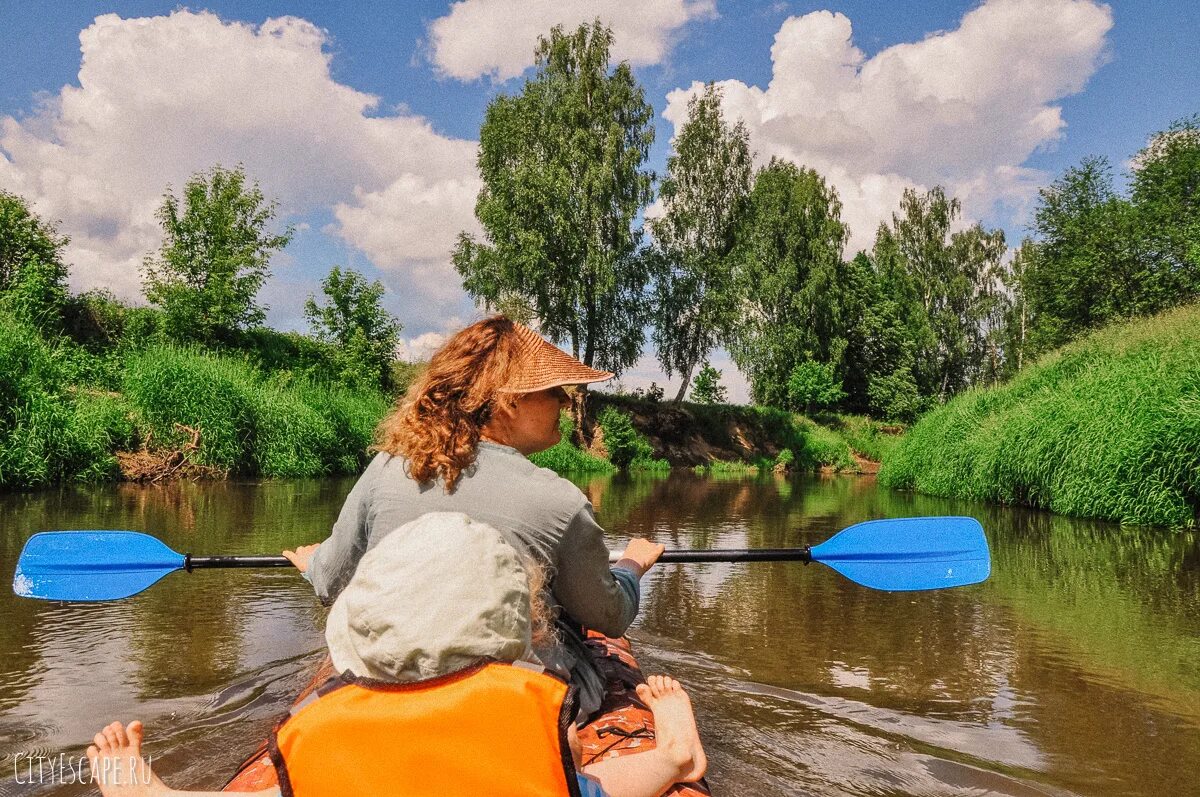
[[640, 554], [302, 556]]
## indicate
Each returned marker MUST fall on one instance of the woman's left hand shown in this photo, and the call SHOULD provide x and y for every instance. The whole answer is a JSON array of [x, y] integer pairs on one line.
[[302, 556], [640, 555]]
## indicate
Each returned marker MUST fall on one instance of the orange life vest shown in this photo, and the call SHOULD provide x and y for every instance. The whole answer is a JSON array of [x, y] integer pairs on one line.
[[493, 729]]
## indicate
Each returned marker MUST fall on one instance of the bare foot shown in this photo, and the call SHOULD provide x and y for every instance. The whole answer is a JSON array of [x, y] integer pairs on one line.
[[117, 764], [675, 726]]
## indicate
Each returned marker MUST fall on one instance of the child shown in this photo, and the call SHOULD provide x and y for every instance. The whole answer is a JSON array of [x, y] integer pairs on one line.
[[427, 634]]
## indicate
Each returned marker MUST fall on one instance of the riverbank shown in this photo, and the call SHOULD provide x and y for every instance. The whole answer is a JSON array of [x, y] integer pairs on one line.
[[691, 435], [1107, 427], [138, 410], [158, 412]]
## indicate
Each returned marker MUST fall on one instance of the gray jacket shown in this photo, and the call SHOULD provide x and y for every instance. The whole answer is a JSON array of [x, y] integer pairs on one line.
[[534, 507]]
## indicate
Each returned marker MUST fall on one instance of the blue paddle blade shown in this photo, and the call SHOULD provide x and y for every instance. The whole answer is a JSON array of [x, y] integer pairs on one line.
[[905, 554], [91, 565]]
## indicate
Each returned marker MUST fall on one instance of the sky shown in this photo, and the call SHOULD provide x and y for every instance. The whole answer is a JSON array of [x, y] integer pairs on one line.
[[362, 119]]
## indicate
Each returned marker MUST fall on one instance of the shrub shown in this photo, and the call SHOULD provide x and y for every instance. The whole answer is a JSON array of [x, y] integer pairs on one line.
[[813, 385], [824, 447], [895, 396], [624, 443], [707, 387], [564, 457]]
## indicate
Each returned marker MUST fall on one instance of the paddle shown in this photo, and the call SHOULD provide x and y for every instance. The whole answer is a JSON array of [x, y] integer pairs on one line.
[[893, 555]]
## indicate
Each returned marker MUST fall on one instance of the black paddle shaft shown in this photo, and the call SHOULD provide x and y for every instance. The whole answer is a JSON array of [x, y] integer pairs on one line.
[[718, 555], [201, 562], [740, 555]]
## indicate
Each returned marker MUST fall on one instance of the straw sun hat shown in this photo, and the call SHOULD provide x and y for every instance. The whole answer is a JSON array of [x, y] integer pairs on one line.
[[541, 365]]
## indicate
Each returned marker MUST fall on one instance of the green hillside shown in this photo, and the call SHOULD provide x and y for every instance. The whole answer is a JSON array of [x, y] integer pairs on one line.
[[1106, 427]]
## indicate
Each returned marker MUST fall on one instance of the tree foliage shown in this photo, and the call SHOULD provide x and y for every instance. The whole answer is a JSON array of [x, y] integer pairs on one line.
[[215, 256], [703, 194], [563, 181], [707, 387], [813, 385], [354, 321], [1166, 197], [788, 252], [33, 276], [947, 285], [1096, 256]]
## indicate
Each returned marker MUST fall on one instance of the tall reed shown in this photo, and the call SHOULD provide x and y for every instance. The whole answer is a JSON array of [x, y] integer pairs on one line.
[[247, 422]]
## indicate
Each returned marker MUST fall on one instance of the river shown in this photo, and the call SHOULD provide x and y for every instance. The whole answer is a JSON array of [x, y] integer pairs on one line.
[[1074, 670]]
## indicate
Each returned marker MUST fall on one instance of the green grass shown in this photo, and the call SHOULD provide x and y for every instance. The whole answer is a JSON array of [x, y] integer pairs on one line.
[[824, 447], [720, 467], [248, 423], [865, 436], [50, 431], [564, 457], [1107, 427], [54, 431]]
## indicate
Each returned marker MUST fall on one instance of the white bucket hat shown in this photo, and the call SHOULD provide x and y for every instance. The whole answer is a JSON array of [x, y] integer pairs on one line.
[[432, 597]]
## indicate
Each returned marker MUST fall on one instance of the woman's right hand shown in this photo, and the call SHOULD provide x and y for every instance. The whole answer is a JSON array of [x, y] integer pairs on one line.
[[640, 554], [302, 556]]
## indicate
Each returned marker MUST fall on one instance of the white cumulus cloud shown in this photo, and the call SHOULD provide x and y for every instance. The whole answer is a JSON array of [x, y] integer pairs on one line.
[[161, 98], [497, 37], [962, 108]]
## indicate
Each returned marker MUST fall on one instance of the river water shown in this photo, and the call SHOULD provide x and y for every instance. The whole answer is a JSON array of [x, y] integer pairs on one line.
[[1074, 670]]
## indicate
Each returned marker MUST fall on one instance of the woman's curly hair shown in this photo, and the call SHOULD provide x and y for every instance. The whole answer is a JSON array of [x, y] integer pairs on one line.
[[436, 426]]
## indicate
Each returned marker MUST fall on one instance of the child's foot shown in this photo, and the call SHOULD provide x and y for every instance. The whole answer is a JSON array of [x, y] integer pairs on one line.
[[675, 726], [117, 764]]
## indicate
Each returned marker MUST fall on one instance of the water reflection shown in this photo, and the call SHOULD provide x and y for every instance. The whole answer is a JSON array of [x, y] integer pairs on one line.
[[1077, 665], [1075, 669]]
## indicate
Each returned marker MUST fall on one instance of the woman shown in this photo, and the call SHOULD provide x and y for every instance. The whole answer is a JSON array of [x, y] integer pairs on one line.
[[458, 442], [430, 702]]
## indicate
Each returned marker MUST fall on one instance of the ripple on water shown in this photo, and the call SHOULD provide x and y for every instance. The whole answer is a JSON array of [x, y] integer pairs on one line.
[[764, 740]]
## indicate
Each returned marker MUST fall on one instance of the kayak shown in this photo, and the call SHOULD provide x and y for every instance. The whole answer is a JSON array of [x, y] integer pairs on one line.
[[623, 726]]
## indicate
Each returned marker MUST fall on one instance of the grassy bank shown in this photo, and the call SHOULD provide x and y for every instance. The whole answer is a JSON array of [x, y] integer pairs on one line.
[[1107, 427], [112, 401], [67, 414]]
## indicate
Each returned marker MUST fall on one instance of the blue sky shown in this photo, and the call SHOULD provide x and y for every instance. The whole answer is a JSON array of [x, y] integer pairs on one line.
[[992, 99]]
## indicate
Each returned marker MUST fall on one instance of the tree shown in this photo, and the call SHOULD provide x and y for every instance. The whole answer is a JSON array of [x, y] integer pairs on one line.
[[563, 181], [814, 385], [788, 250], [354, 321], [215, 256], [707, 387], [1165, 194], [947, 284], [1086, 268], [1017, 315], [705, 190], [33, 277], [894, 396]]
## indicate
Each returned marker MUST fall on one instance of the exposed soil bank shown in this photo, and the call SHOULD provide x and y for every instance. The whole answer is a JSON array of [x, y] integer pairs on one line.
[[689, 434]]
